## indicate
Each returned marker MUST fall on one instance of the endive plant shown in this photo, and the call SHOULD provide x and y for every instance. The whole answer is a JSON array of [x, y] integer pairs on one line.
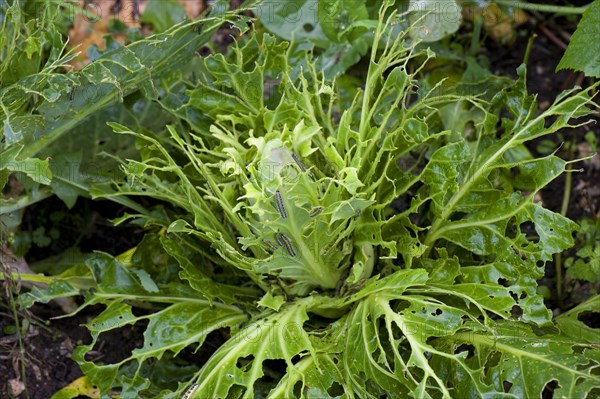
[[348, 242]]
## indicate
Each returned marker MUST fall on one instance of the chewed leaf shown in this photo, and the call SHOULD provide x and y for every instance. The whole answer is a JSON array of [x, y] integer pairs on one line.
[[522, 363], [239, 362], [183, 320], [570, 325]]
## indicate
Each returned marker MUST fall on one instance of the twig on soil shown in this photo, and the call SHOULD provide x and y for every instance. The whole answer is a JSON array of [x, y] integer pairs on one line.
[[552, 37]]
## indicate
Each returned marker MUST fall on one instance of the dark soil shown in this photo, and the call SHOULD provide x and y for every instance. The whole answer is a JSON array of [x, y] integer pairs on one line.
[[79, 227], [48, 348], [48, 351]]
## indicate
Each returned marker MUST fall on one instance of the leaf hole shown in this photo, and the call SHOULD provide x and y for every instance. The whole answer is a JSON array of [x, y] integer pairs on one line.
[[491, 362], [217, 269], [199, 354], [528, 229], [138, 312], [112, 346], [437, 312], [244, 363], [516, 311], [457, 216], [523, 295], [273, 370], [470, 349], [590, 319], [396, 332], [236, 391], [335, 389], [308, 27], [506, 386], [578, 349], [297, 389], [511, 228], [503, 282], [549, 388], [204, 51]]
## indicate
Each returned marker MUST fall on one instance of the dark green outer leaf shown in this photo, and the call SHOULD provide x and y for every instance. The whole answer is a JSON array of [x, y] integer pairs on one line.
[[107, 80], [163, 14], [583, 52]]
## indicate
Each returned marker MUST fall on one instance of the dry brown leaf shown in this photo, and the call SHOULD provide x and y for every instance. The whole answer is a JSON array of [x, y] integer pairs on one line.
[[499, 25]]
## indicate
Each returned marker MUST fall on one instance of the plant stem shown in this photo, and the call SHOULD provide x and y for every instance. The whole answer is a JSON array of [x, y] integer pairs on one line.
[[475, 40], [543, 7], [558, 258], [528, 49]]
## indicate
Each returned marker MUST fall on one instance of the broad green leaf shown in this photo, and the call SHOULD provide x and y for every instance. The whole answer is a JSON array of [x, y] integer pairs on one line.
[[432, 20], [163, 14], [337, 16], [583, 52], [296, 19]]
